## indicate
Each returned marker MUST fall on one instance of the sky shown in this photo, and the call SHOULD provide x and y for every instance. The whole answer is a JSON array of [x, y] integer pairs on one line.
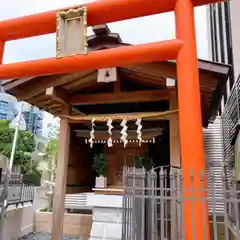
[[142, 30], [135, 31]]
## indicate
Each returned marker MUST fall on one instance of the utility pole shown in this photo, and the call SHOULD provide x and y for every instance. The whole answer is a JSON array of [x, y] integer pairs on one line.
[[4, 196]]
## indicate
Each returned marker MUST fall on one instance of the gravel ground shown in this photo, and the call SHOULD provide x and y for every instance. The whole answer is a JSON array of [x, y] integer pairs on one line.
[[45, 236]]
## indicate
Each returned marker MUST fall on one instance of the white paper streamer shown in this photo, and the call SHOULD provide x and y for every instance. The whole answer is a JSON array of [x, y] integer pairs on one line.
[[109, 142], [92, 136], [124, 132], [139, 130], [110, 127]]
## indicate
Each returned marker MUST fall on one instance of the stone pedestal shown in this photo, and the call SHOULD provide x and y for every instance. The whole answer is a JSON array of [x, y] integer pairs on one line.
[[75, 225], [107, 217]]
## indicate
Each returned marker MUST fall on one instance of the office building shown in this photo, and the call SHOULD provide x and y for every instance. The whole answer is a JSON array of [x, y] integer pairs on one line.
[[224, 38], [8, 106], [33, 118]]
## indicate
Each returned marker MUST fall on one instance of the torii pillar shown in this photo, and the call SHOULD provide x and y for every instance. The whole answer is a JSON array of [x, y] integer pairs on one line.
[[190, 121], [1, 51]]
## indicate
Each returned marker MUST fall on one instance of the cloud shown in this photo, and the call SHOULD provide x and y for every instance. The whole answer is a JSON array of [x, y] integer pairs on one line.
[[134, 31]]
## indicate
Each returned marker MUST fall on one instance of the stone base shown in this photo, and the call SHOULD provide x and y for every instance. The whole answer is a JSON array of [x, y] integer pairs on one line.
[[74, 224], [107, 217]]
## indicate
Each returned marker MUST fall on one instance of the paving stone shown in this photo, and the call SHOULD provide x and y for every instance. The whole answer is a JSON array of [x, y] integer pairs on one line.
[[45, 236]]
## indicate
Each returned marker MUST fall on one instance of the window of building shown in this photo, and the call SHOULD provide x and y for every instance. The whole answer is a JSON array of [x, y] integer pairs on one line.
[[3, 116], [40, 147], [3, 105]]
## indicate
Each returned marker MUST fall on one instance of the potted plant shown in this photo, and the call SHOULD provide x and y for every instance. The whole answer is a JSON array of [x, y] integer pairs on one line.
[[144, 161], [100, 165]]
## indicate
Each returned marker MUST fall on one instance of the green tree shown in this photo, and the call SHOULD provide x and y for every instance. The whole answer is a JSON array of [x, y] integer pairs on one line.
[[25, 144], [49, 161], [144, 161], [49, 165], [100, 164]]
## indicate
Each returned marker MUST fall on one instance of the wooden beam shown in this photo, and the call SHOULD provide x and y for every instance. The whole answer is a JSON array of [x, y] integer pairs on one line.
[[120, 97], [147, 79], [116, 134], [117, 85], [81, 82], [38, 85], [168, 69], [13, 83], [58, 94], [61, 180]]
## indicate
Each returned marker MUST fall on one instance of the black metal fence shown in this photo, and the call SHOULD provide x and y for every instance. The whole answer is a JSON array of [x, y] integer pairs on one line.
[[18, 193]]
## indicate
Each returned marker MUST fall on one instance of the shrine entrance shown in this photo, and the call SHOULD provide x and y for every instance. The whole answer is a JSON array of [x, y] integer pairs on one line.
[[92, 78], [147, 145]]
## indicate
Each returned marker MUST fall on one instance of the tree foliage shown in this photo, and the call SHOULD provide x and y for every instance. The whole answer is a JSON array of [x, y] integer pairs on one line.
[[49, 162], [25, 144], [100, 164], [49, 165], [144, 161]]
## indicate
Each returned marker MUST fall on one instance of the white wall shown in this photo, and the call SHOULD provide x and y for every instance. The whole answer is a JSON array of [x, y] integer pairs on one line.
[[235, 21], [18, 223]]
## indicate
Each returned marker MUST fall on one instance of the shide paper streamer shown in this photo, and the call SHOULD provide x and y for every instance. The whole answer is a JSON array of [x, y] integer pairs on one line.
[[139, 130], [110, 127], [92, 136], [124, 132]]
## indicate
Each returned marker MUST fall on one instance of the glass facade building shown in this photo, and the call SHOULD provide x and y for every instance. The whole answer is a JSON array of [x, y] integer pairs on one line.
[[8, 106], [33, 118], [32, 115]]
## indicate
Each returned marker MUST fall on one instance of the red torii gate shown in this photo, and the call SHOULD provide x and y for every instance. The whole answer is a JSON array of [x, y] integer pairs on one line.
[[183, 49]]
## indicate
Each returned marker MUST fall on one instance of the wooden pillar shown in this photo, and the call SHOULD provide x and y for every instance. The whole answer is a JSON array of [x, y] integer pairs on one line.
[[174, 131], [190, 121], [175, 152], [61, 180]]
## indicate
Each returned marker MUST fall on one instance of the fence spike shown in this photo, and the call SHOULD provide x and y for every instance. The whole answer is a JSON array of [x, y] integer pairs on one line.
[[181, 174], [161, 172], [191, 174], [172, 172], [202, 175]]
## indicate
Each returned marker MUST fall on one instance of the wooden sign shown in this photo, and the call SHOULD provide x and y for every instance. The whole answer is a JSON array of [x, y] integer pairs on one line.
[[107, 75], [170, 82], [71, 33]]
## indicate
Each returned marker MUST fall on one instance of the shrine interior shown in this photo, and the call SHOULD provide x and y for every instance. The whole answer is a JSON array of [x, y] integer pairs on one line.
[[81, 176]]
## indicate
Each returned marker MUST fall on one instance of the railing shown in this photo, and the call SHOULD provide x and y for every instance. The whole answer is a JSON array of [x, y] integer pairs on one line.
[[230, 129], [18, 193], [154, 203]]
